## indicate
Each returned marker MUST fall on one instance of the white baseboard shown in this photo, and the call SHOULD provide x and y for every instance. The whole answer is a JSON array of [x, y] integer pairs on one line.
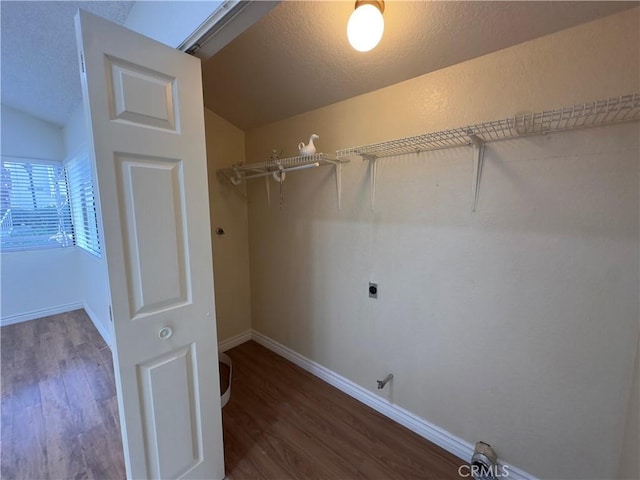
[[234, 341], [102, 329], [449, 442], [34, 314]]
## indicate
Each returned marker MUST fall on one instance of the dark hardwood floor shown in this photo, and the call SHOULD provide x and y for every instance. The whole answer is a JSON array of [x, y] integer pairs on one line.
[[284, 423], [59, 416], [59, 408]]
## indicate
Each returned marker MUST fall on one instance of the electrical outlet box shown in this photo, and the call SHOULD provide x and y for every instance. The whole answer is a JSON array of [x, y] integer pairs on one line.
[[373, 290]]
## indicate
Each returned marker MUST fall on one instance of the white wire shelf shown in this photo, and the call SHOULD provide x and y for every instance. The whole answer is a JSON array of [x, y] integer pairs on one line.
[[602, 112], [277, 168], [613, 110], [239, 173]]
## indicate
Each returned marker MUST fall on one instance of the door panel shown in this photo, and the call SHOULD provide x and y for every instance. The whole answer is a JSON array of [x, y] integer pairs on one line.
[[140, 95], [144, 108], [167, 386], [151, 193]]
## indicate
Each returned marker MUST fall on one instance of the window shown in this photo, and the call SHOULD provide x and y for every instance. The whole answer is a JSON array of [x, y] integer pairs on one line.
[[34, 206], [83, 204], [46, 205]]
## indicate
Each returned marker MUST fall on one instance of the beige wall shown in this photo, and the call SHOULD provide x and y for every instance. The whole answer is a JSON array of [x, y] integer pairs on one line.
[[516, 325], [225, 146], [630, 457]]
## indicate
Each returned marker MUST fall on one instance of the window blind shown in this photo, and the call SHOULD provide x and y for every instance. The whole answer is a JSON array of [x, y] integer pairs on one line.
[[83, 204], [34, 206]]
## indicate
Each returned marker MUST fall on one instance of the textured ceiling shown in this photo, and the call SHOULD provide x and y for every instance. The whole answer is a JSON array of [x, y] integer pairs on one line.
[[39, 62], [293, 60], [297, 58]]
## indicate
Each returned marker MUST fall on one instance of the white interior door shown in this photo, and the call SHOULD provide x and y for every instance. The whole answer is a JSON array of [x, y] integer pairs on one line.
[[144, 104]]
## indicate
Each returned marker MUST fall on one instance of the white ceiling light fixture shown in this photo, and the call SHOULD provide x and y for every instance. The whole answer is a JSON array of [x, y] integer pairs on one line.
[[366, 25]]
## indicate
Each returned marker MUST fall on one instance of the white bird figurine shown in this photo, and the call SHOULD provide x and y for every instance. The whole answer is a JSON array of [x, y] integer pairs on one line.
[[310, 148]]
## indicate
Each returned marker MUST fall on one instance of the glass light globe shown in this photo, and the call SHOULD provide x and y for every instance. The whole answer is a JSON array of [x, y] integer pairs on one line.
[[365, 27]]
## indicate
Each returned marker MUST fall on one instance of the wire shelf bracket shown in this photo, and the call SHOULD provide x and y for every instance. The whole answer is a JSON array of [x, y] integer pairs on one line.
[[373, 174], [277, 169], [613, 110], [478, 161]]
